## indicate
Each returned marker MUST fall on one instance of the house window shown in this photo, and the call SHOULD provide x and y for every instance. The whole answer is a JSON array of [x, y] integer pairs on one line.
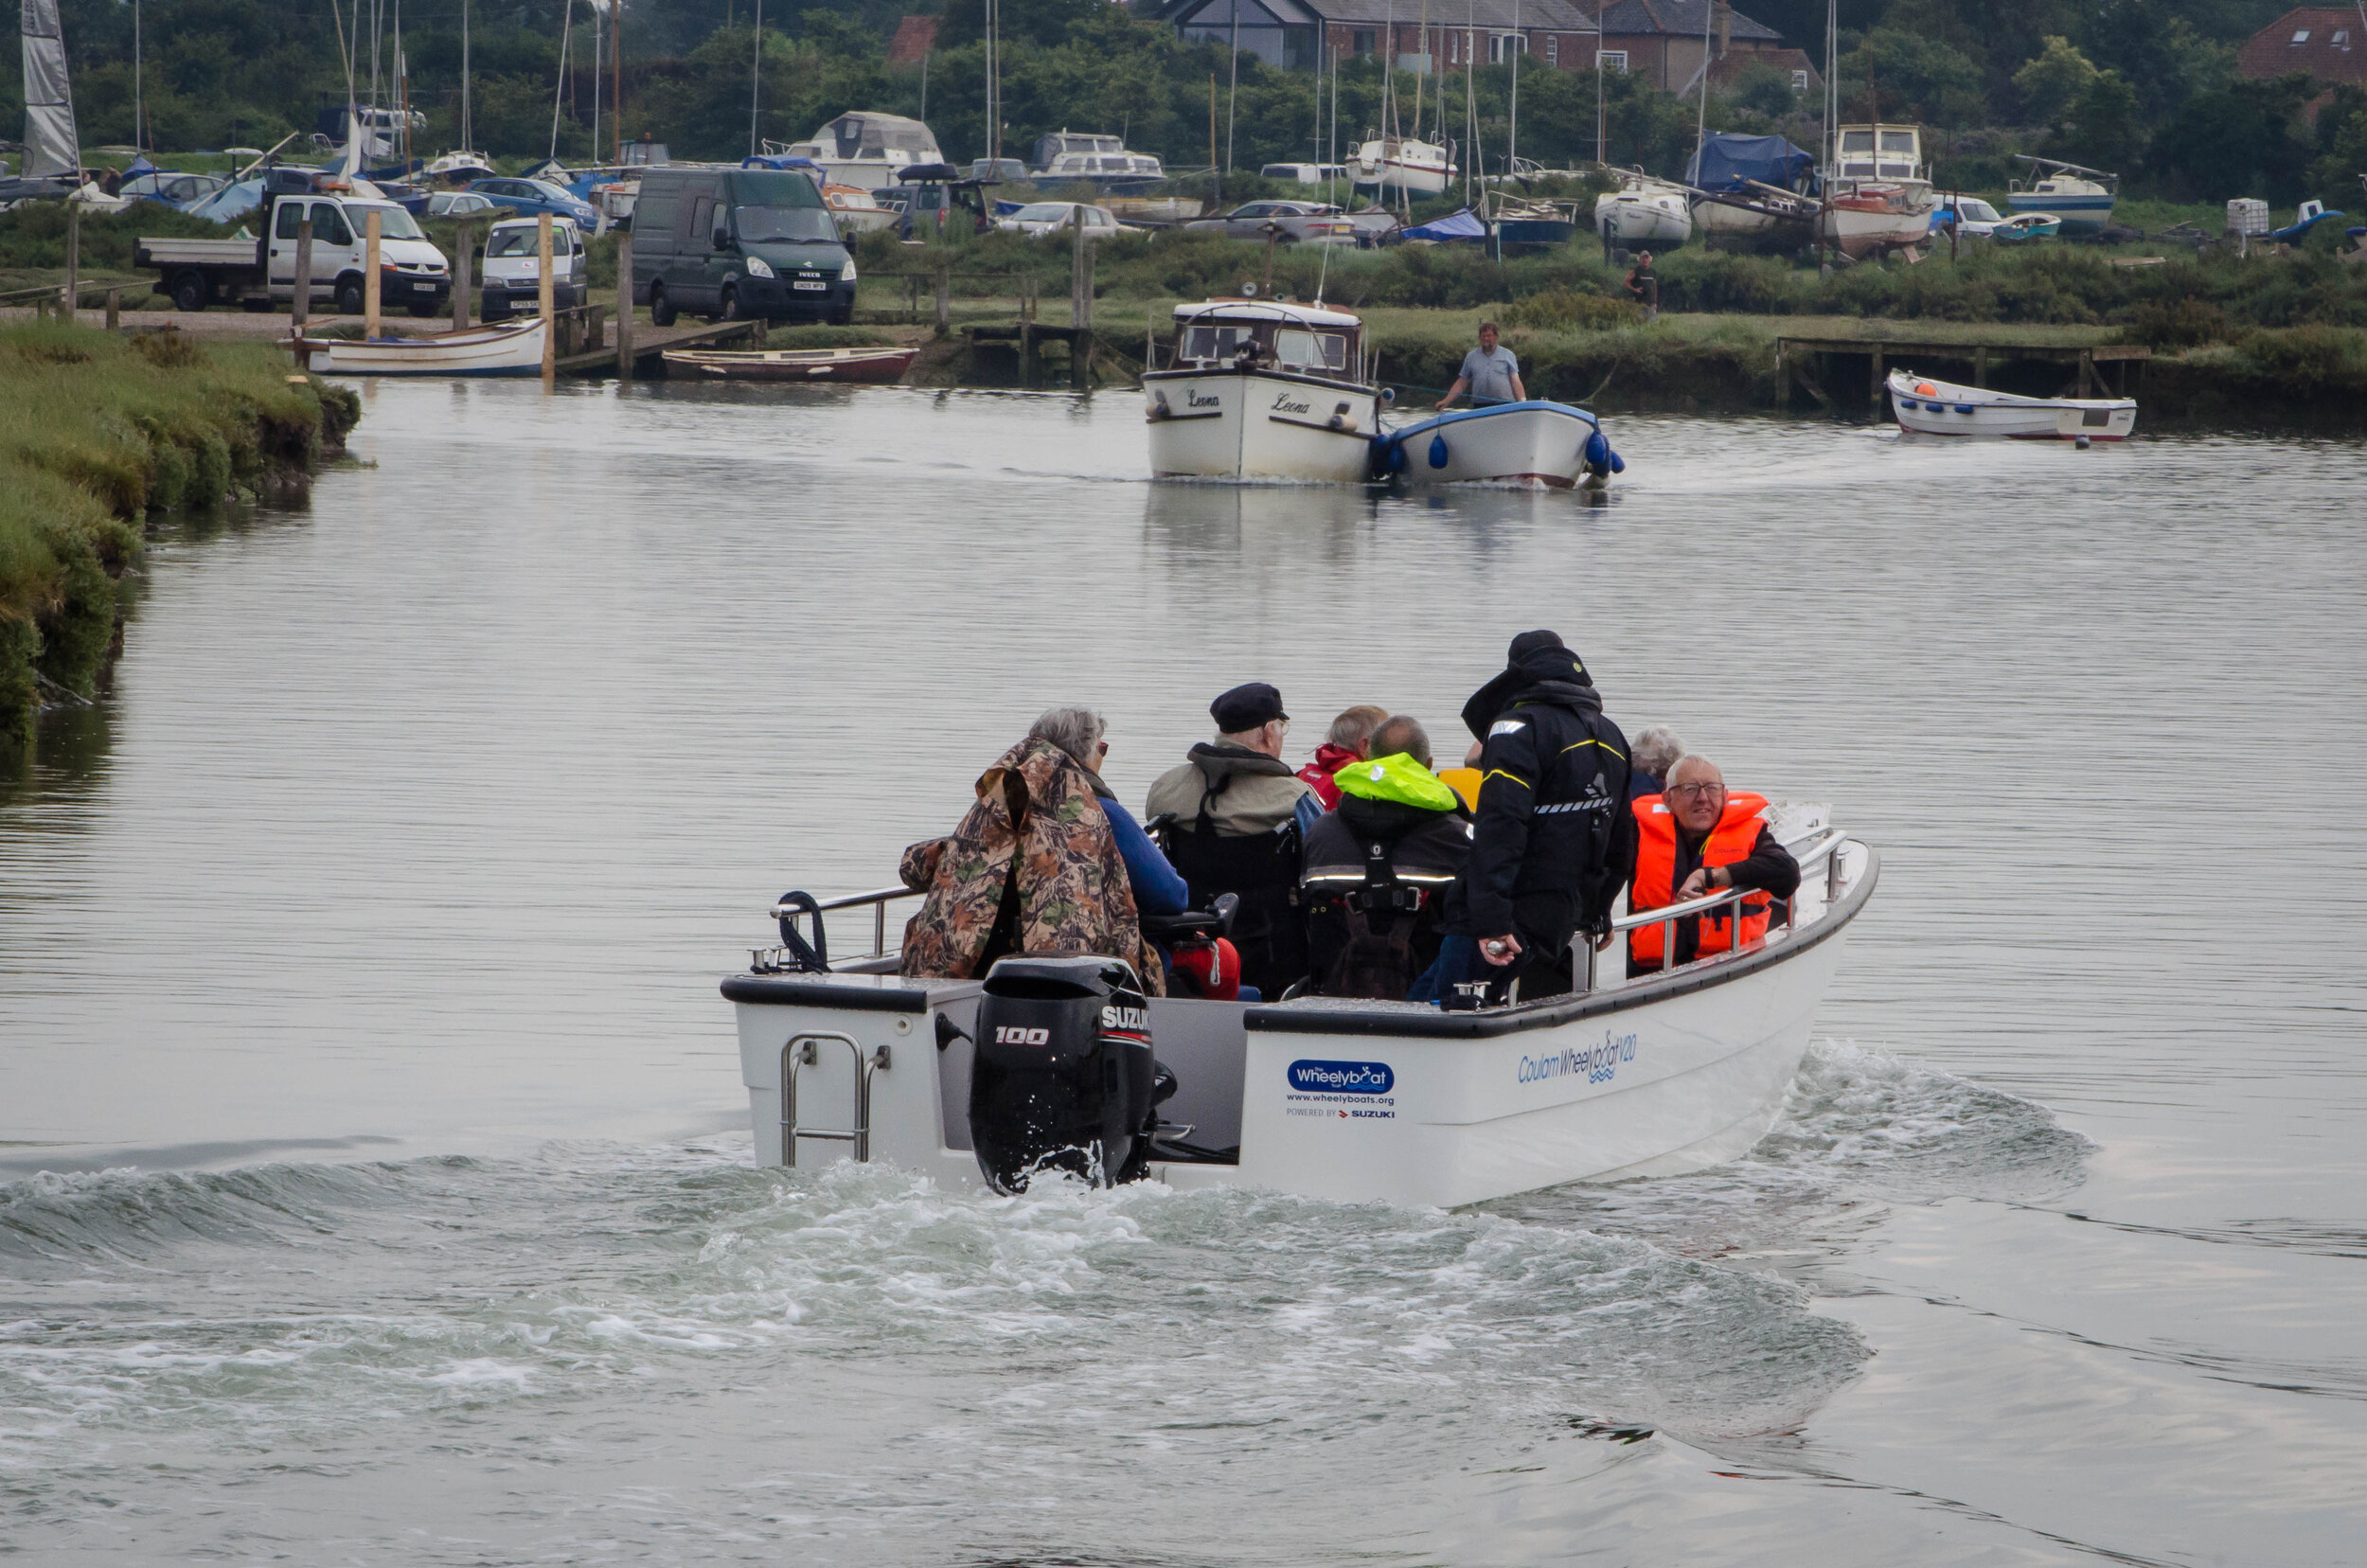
[[1364, 41], [1503, 47], [1552, 49], [2301, 38], [1799, 81], [2341, 38], [1614, 60]]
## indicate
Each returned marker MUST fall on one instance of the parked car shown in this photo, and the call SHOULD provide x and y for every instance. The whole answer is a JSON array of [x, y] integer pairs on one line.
[[513, 259], [1307, 223], [529, 197], [459, 203], [734, 243], [1974, 218], [1305, 173], [174, 190], [935, 193], [1048, 217], [998, 171]]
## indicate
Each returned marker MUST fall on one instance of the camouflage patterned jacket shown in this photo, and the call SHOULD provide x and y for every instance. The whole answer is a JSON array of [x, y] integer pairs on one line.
[[1073, 895]]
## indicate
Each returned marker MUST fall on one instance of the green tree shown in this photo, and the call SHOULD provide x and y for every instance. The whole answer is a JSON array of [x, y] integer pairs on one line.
[[1915, 77], [2335, 177], [2056, 78], [1764, 90], [2103, 128]]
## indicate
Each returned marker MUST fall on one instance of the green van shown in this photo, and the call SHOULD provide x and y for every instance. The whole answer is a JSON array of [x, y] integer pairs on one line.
[[713, 240]]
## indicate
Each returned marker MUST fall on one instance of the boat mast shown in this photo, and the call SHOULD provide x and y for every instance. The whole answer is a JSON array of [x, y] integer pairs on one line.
[[1422, 36], [468, 136], [756, 80], [617, 68], [1702, 120], [138, 116], [1602, 122], [559, 92], [1233, 82], [1470, 106], [1517, 43], [597, 63]]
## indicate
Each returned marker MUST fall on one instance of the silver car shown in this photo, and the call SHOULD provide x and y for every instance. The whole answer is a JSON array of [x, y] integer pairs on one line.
[[1298, 222]]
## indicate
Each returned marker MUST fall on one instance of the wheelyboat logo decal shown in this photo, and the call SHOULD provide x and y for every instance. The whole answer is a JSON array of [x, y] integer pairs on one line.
[[1598, 1063], [1343, 1091]]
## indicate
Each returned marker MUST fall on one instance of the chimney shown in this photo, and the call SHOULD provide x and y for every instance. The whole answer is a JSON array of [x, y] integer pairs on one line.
[[1725, 14]]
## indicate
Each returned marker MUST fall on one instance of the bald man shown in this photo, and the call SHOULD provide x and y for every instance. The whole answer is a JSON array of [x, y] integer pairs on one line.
[[1697, 837]]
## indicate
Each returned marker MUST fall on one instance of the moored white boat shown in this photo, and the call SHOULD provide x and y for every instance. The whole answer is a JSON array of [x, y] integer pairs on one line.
[[1347, 1101], [1644, 211], [1260, 390], [1535, 443], [511, 350], [2081, 198], [1929, 408]]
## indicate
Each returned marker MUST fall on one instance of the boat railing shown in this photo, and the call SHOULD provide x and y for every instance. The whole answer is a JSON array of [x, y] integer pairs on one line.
[[1820, 848]]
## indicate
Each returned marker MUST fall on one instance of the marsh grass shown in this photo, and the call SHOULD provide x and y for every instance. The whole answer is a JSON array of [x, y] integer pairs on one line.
[[97, 432]]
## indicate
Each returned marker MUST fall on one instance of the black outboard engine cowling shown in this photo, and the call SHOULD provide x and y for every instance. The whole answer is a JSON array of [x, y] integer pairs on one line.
[[1063, 1077]]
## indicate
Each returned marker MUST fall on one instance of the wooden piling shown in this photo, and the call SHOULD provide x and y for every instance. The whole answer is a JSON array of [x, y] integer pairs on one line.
[[2086, 372], [300, 291], [115, 308], [1080, 275], [945, 297], [72, 300], [624, 306], [463, 278], [1981, 368], [371, 287], [544, 299]]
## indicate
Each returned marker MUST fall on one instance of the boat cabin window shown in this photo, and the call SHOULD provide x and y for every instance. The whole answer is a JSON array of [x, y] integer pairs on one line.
[[1899, 141], [1302, 350], [1216, 343], [1857, 141]]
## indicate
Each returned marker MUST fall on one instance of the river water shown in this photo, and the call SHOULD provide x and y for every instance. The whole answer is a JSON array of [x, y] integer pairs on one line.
[[376, 1172]]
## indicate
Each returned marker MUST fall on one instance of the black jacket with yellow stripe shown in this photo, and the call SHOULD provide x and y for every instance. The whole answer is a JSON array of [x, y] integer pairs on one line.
[[1554, 841]]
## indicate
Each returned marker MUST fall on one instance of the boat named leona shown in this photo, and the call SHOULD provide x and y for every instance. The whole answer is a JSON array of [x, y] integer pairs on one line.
[[1256, 389], [1049, 1062]]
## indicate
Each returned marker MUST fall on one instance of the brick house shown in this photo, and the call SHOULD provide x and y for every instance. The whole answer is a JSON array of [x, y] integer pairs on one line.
[[2329, 43]]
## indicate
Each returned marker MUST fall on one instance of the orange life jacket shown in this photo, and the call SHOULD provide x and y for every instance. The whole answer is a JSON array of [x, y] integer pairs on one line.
[[1732, 840]]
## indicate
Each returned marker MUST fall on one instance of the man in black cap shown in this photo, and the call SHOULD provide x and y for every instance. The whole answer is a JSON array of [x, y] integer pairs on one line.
[[1232, 818], [1553, 842]]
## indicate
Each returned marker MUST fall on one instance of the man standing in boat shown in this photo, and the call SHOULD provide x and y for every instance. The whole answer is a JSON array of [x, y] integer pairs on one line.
[[1553, 843], [1490, 374]]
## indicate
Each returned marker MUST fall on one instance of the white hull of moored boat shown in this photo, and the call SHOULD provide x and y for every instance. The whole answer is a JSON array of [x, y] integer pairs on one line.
[[1928, 407], [488, 351], [1525, 443], [1644, 217], [1351, 1101], [1258, 425]]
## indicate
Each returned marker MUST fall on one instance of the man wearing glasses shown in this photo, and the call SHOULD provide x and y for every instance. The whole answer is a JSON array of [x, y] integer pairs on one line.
[[1232, 818], [1698, 838]]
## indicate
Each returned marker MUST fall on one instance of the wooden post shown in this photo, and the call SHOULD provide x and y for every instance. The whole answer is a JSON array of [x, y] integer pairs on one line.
[[594, 329], [1874, 382], [1981, 367], [624, 306], [1274, 238], [1080, 284], [1080, 360], [371, 287], [463, 282], [1151, 342], [300, 292], [945, 297], [2086, 372], [542, 296], [73, 300], [115, 308]]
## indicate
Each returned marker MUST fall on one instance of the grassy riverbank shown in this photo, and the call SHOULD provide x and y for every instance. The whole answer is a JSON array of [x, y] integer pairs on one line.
[[97, 433]]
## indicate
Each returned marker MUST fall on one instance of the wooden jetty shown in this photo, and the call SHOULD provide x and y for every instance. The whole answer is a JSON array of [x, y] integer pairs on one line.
[[1811, 363], [588, 355], [1026, 338]]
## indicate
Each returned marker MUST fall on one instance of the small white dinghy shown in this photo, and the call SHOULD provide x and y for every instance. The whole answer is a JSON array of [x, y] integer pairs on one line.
[[506, 351], [1347, 1101], [1928, 407], [1533, 443]]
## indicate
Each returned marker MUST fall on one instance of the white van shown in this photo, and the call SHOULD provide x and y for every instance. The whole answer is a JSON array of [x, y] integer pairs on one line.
[[513, 259]]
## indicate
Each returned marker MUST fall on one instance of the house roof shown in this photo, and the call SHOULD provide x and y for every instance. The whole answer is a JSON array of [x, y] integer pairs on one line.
[[1683, 18], [1493, 15], [1728, 66], [914, 37], [2329, 43]]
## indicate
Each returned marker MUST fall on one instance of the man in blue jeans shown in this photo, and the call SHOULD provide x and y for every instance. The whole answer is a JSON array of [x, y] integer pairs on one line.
[[1490, 374]]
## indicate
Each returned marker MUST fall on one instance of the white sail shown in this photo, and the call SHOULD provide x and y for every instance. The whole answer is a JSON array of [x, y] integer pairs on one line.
[[51, 144]]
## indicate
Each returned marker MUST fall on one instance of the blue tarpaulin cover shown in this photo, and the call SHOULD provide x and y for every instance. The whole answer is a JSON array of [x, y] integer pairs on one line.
[[1455, 225], [1725, 162]]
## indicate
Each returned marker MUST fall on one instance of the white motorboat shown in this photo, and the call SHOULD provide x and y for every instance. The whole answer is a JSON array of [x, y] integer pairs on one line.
[[857, 211], [865, 149], [506, 350], [1262, 390], [1644, 211], [1401, 162], [1929, 408], [1345, 1100], [2082, 197], [1546, 444], [1878, 193]]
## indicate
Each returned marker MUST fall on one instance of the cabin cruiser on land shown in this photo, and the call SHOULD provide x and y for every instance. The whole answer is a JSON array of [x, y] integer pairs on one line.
[[1063, 1063], [1069, 157], [1644, 211], [1256, 389], [1877, 194], [865, 150]]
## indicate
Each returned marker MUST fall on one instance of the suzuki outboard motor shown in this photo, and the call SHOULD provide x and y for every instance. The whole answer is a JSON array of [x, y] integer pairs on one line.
[[1063, 1077]]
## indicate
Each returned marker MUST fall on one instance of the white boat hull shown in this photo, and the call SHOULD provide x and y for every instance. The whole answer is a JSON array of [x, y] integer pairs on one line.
[[1928, 407], [1674, 1073], [1530, 443], [1630, 217], [492, 351], [1426, 173], [1258, 425]]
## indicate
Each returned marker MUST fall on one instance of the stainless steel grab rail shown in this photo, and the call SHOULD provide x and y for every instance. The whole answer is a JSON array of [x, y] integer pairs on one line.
[[799, 1053], [1826, 847], [766, 960]]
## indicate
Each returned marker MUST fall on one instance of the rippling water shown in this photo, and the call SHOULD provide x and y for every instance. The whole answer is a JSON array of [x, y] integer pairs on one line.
[[376, 1185]]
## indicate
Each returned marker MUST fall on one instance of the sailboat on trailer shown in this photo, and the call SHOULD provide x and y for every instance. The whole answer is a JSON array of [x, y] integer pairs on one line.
[[53, 149]]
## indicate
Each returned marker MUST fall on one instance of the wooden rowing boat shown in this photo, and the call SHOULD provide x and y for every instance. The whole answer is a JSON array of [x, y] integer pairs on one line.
[[796, 365], [486, 352]]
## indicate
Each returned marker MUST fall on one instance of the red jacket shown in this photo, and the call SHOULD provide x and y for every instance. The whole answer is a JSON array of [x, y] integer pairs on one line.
[[1317, 775]]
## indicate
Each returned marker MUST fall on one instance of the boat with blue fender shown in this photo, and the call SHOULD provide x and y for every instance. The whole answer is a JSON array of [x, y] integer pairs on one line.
[[1927, 408], [1534, 443]]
